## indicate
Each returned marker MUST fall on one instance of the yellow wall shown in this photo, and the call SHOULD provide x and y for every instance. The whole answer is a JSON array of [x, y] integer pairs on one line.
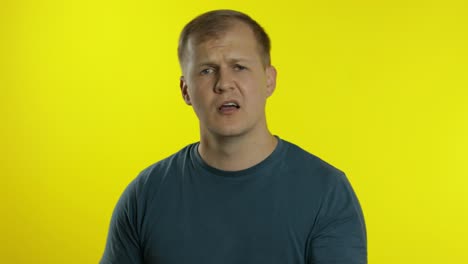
[[89, 97]]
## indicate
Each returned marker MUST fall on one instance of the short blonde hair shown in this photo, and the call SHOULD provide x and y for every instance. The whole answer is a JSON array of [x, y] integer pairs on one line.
[[213, 23]]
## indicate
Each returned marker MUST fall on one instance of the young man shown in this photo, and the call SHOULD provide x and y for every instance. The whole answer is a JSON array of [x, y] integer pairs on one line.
[[240, 195]]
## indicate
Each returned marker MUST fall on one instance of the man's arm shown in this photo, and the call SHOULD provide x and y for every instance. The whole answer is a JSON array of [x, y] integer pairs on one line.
[[339, 233], [122, 246]]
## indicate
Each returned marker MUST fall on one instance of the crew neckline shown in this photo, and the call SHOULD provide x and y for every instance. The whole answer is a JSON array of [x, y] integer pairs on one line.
[[199, 162]]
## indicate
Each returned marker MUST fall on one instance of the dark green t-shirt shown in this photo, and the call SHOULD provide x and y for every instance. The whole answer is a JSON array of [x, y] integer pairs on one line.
[[290, 208]]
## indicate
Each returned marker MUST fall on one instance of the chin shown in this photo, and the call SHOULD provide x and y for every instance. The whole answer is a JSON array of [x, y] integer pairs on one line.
[[227, 131]]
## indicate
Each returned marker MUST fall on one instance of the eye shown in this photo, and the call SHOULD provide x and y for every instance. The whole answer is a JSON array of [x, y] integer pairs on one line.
[[239, 67], [207, 71]]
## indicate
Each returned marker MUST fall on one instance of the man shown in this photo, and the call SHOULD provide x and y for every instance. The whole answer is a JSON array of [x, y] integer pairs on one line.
[[240, 195]]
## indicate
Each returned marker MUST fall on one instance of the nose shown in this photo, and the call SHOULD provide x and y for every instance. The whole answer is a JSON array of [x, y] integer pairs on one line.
[[225, 81]]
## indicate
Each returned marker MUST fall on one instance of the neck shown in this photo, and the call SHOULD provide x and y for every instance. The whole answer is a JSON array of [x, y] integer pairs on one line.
[[237, 152]]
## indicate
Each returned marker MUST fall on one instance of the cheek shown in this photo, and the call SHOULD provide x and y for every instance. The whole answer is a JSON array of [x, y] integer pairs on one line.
[[200, 99], [202, 86], [256, 99], [258, 88]]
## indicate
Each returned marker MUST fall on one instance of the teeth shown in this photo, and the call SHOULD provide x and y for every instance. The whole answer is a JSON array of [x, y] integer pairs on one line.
[[230, 104]]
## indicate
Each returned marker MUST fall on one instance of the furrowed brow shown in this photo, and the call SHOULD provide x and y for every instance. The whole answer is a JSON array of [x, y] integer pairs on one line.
[[238, 60], [207, 64]]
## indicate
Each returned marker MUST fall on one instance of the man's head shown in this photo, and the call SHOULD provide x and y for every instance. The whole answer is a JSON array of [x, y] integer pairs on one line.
[[227, 75], [214, 24]]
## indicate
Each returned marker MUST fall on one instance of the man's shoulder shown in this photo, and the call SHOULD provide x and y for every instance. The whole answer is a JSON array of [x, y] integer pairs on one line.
[[310, 167], [299, 157], [162, 170]]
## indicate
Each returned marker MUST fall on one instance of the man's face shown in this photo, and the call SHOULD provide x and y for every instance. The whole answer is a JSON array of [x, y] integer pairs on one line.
[[227, 84]]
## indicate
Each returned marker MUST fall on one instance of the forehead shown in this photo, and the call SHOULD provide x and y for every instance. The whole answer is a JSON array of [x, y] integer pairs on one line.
[[238, 37]]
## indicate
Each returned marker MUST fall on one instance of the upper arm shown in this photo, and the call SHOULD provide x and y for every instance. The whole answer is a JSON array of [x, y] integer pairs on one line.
[[339, 233], [123, 244]]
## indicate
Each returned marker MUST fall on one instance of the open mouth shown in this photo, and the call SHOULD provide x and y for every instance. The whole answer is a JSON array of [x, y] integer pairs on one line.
[[229, 105]]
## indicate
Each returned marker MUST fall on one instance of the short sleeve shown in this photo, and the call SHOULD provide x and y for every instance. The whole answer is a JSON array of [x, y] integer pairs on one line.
[[122, 246], [339, 233]]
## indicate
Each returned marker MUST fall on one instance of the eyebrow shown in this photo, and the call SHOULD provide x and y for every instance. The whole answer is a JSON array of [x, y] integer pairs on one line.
[[210, 64], [230, 61]]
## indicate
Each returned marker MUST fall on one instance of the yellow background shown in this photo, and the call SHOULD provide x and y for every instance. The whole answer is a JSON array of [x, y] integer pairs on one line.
[[89, 97]]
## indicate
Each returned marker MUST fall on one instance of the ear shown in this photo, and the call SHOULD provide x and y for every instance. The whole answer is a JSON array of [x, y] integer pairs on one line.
[[271, 80], [184, 90]]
